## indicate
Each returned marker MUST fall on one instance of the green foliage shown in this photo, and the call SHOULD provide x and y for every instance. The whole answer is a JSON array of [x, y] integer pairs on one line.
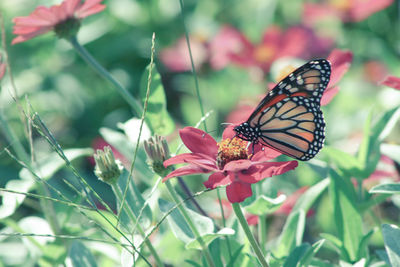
[[157, 117], [391, 235]]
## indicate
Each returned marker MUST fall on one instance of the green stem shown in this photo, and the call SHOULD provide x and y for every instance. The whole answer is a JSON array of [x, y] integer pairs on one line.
[[135, 105], [228, 244], [132, 216], [262, 224], [196, 82], [190, 223], [250, 237]]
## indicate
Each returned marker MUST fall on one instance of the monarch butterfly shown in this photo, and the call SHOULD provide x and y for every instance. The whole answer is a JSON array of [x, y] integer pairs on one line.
[[289, 118]]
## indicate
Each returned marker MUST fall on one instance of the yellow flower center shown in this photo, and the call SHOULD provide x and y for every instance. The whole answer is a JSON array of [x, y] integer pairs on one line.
[[341, 4], [285, 72], [264, 53], [231, 149]]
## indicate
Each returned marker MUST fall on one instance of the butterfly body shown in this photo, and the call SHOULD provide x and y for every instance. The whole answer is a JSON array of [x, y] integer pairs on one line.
[[289, 118]]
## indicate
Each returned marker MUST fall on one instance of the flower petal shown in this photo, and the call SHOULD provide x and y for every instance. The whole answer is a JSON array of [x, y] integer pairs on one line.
[[392, 81], [198, 141], [200, 160], [237, 165], [328, 95], [362, 9], [238, 191], [341, 61], [259, 171], [186, 170], [217, 179]]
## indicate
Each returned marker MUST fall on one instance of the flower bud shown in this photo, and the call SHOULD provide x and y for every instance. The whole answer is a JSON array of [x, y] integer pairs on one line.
[[107, 168], [157, 152]]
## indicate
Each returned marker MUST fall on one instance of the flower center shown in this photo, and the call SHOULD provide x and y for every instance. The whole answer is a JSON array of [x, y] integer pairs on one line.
[[264, 53], [231, 149], [67, 28]]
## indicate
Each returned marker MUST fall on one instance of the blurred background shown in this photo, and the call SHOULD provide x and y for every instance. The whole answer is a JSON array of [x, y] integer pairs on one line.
[[239, 48]]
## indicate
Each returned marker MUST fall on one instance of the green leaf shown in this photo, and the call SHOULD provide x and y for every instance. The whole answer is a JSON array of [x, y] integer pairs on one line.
[[80, 255], [391, 237], [386, 189], [179, 226], [363, 248], [369, 152], [333, 239], [347, 163], [296, 255], [46, 168], [292, 233], [265, 205], [135, 201], [208, 238], [157, 116], [347, 218], [308, 256], [308, 198]]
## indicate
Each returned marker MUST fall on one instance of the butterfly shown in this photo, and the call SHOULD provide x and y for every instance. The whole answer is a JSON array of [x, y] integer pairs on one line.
[[289, 118]]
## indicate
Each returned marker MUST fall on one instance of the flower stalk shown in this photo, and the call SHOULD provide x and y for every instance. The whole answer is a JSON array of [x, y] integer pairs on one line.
[[135, 105], [132, 216], [190, 223], [250, 237]]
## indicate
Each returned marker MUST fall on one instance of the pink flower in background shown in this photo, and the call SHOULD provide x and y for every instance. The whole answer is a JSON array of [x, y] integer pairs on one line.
[[340, 63], [231, 46], [2, 68], [346, 10], [228, 41], [177, 58], [228, 161], [392, 81], [44, 19], [375, 71]]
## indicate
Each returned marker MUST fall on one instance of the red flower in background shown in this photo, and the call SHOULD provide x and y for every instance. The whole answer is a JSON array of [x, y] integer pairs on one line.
[[291, 201], [340, 61], [44, 19], [392, 81], [375, 71], [228, 161], [177, 58], [346, 10], [231, 46]]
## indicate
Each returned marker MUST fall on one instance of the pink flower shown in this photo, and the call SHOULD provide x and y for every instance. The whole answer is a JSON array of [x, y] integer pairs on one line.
[[2, 68], [45, 19], [340, 63], [229, 45], [228, 161], [346, 10], [177, 57], [374, 71], [392, 81]]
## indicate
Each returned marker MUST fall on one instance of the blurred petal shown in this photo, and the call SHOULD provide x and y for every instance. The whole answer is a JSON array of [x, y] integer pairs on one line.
[[328, 95], [217, 179], [186, 170], [362, 9], [199, 141], [227, 42], [2, 70], [238, 191], [392, 81], [340, 61]]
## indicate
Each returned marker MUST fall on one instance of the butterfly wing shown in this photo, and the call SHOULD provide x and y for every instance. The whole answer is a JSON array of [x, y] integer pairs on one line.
[[289, 118]]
